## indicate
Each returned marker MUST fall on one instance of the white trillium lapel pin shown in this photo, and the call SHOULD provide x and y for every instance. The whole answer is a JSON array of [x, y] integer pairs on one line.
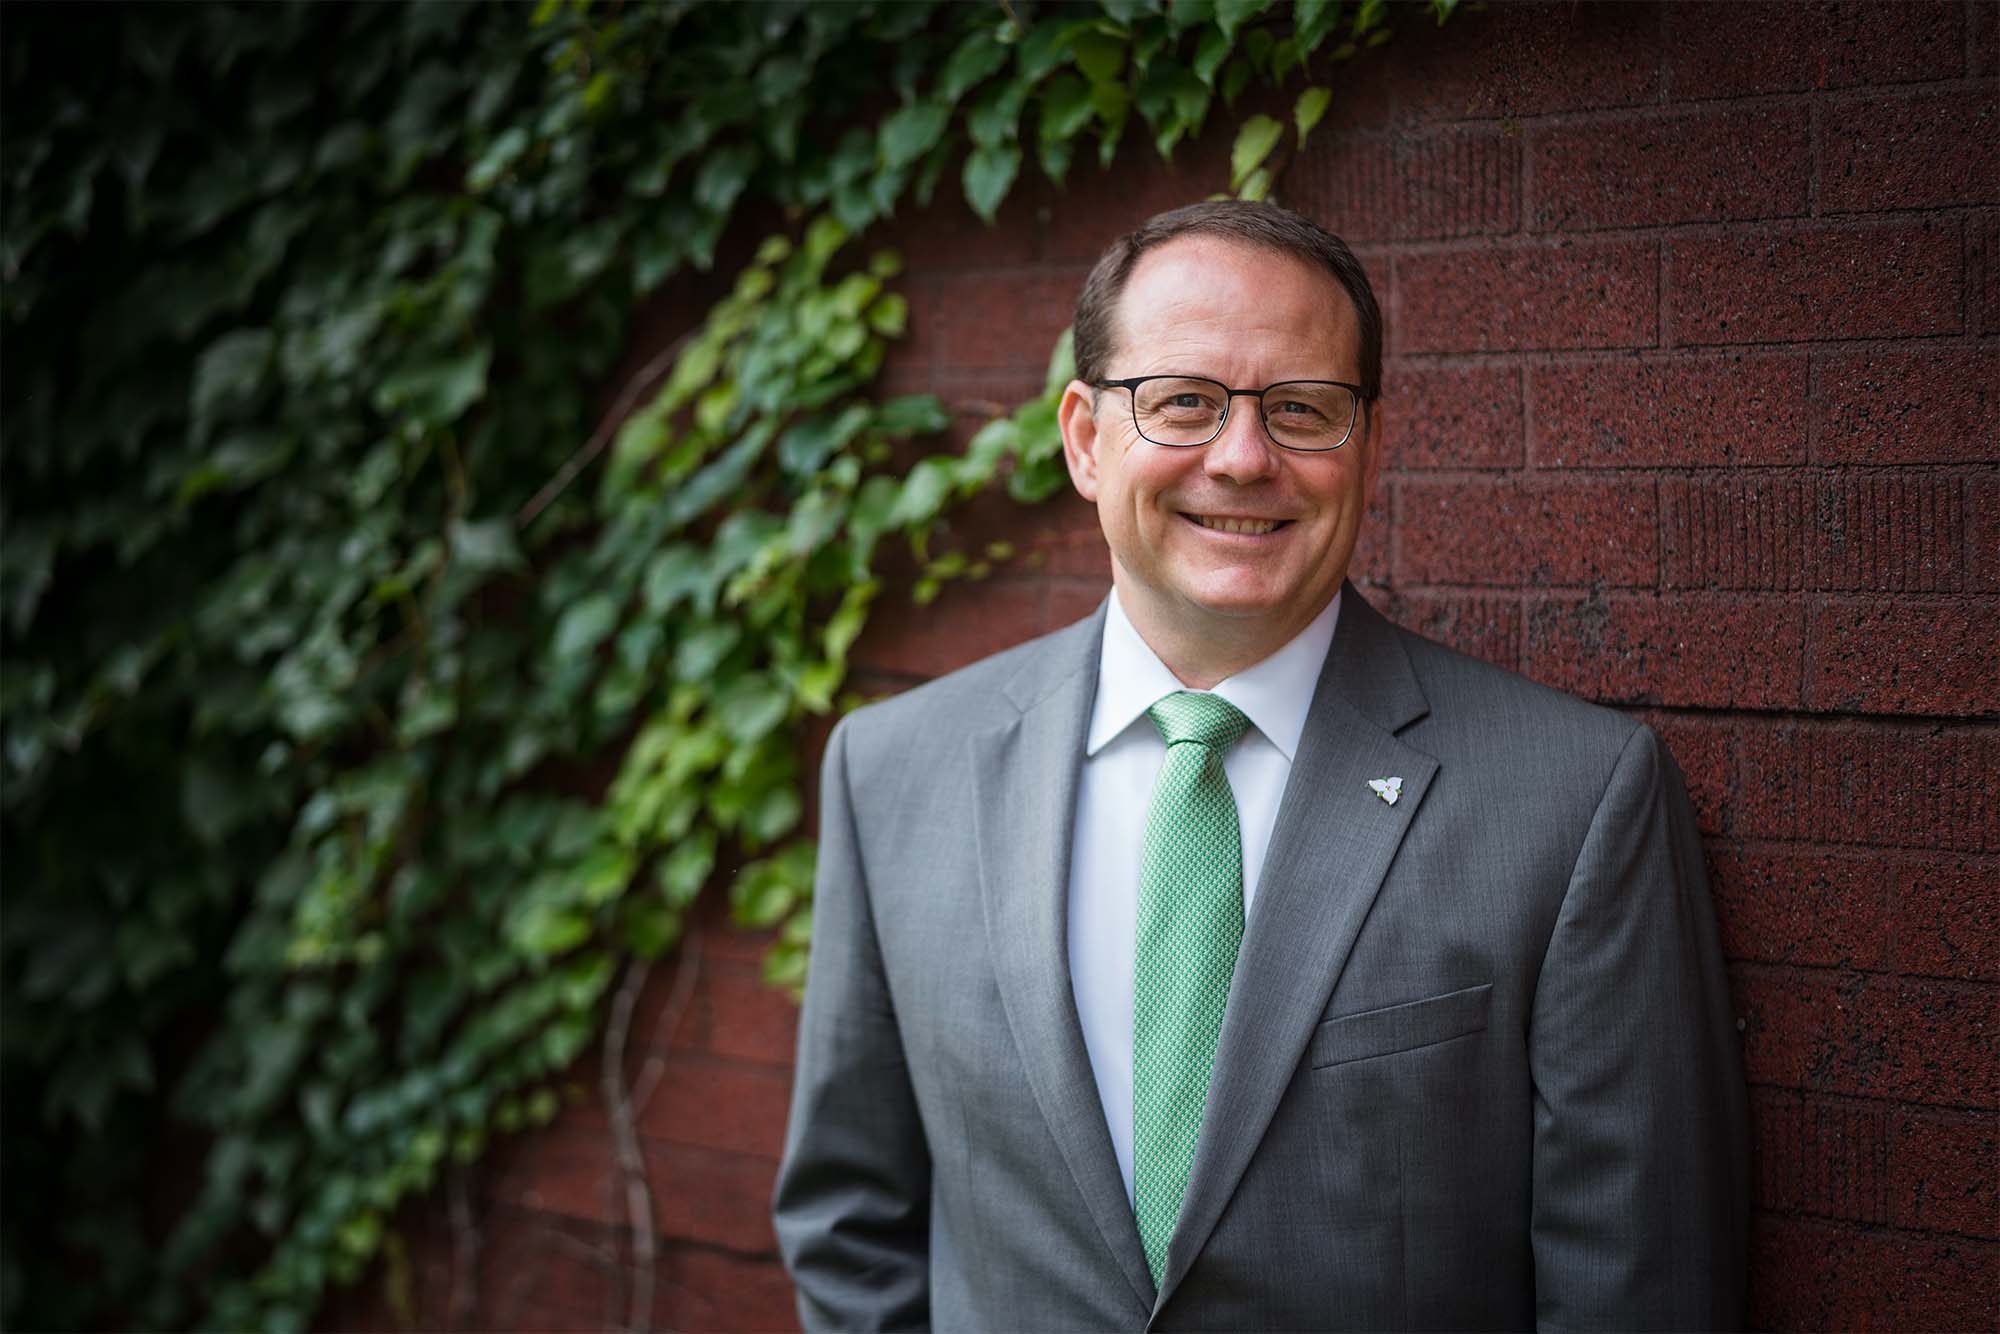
[[1386, 788]]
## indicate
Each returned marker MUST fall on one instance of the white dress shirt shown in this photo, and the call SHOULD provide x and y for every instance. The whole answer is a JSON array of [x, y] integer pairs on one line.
[[1123, 755]]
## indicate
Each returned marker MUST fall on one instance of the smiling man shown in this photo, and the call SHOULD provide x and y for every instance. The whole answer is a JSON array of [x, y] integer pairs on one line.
[[1234, 959]]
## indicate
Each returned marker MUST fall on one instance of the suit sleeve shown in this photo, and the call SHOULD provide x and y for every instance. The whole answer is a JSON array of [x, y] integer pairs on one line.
[[852, 1205], [1641, 1149]]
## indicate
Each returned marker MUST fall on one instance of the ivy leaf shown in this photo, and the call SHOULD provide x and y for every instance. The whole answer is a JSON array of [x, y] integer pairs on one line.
[[976, 59], [230, 374], [436, 392], [909, 132], [924, 491], [542, 929], [1309, 110], [996, 118], [912, 414], [1312, 22], [1213, 49], [722, 177], [584, 626], [1230, 15], [1065, 108], [1254, 142], [1098, 54], [685, 868], [485, 545], [751, 705], [1044, 48], [501, 154], [1185, 14], [989, 172]]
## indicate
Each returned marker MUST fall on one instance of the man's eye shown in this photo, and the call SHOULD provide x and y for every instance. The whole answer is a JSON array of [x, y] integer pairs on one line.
[[1292, 407], [1186, 401]]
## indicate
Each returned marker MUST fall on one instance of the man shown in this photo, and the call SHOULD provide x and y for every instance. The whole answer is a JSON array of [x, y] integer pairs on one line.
[[1234, 959]]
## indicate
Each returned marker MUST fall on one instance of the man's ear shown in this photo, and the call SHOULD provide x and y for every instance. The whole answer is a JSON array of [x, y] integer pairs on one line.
[[1076, 418]]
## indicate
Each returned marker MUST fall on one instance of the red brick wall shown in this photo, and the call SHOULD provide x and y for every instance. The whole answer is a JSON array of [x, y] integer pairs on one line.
[[1694, 408]]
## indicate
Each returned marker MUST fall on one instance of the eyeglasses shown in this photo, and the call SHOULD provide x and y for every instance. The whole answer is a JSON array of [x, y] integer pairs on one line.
[[1182, 411]]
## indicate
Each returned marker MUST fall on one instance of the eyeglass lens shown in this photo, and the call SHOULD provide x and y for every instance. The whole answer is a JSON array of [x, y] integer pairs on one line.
[[1299, 414]]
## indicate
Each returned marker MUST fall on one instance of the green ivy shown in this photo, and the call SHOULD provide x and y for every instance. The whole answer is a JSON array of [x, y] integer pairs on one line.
[[372, 688]]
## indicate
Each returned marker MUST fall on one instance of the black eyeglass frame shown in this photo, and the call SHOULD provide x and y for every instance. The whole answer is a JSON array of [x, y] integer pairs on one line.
[[1131, 386]]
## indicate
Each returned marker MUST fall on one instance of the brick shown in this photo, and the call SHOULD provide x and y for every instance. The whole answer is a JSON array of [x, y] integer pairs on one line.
[[1071, 600], [1705, 750], [1942, 916], [702, 1291], [1940, 1172], [562, 1171], [1564, 294], [721, 938], [1982, 531], [967, 622], [1516, 532], [1526, 60], [1870, 1036], [1875, 531], [994, 319], [1896, 786], [543, 1272], [1894, 151], [1691, 650], [1647, 169], [1708, 411], [1452, 416], [1808, 1275], [720, 1199], [1096, 208], [1814, 283], [1898, 656], [1918, 405], [1374, 550], [712, 1103], [1774, 1148], [1487, 627], [1783, 46], [1410, 184], [1841, 1150], [742, 1017], [1070, 543], [949, 235], [1780, 905], [1982, 264]]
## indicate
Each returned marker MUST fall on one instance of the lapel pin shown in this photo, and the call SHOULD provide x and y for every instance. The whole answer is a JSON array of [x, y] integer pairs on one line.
[[1386, 788]]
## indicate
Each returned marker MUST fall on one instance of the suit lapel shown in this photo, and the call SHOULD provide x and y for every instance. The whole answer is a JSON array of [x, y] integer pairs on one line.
[[1328, 855], [1025, 774]]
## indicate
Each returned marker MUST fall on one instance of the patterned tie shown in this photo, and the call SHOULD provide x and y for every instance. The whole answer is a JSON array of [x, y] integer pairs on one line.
[[1190, 923]]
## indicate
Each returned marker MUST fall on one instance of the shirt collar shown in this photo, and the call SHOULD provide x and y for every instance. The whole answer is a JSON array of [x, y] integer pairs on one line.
[[1275, 694]]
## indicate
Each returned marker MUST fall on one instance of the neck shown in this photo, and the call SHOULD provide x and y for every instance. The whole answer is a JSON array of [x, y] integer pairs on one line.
[[1205, 649]]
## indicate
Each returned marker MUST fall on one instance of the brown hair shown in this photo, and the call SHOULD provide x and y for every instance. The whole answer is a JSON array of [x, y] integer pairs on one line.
[[1258, 224]]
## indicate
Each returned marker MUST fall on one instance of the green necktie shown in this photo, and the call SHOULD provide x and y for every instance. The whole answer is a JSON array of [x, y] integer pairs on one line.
[[1190, 923]]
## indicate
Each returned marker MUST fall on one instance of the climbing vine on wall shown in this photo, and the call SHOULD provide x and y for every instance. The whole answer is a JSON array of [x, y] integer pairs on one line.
[[380, 675]]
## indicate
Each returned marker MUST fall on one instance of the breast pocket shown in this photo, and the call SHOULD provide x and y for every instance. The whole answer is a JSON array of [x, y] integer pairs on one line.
[[1406, 1027]]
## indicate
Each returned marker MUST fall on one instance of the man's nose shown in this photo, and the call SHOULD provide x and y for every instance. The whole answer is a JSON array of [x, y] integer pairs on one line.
[[1243, 453]]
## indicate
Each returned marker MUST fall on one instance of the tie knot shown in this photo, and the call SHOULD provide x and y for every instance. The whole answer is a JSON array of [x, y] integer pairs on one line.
[[1208, 720]]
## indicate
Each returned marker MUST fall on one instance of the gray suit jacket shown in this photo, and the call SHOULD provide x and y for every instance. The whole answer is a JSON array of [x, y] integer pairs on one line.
[[1478, 1066]]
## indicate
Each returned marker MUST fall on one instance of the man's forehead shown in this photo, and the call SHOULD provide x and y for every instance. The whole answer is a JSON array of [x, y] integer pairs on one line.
[[1205, 280]]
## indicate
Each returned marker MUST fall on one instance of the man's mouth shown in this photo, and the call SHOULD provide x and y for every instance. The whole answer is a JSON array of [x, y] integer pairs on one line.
[[1224, 524]]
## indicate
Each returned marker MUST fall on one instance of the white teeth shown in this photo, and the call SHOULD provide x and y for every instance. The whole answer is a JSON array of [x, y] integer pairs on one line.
[[1254, 527]]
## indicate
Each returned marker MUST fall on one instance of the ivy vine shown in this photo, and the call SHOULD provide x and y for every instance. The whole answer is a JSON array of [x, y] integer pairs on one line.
[[370, 695]]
